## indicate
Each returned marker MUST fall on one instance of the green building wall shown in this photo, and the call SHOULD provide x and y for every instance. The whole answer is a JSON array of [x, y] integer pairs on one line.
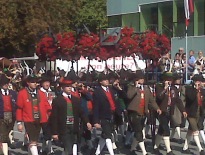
[[166, 17]]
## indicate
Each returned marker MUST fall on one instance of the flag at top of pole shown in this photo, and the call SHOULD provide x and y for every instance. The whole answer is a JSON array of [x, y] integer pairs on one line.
[[189, 9]]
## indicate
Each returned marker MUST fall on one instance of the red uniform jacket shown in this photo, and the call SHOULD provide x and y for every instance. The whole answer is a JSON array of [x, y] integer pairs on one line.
[[24, 111]]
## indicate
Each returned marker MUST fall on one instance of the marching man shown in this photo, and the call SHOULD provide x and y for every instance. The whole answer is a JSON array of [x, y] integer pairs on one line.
[[45, 87], [32, 109], [140, 96], [7, 112], [65, 118]]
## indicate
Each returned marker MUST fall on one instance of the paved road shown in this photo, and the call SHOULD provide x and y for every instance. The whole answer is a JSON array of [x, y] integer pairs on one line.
[[176, 147]]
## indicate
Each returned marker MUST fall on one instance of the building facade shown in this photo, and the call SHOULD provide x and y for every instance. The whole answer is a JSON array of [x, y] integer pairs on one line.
[[164, 16]]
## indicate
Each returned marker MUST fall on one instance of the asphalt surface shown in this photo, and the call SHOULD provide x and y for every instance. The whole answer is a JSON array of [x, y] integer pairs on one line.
[[176, 146]]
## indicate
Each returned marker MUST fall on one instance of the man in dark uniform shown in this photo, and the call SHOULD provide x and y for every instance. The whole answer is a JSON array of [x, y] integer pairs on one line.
[[65, 118], [201, 129], [177, 119], [7, 112], [105, 108], [195, 110], [139, 97], [167, 96]]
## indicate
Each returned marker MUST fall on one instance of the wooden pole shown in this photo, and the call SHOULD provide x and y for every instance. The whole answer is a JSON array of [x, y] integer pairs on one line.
[[122, 62], [50, 65], [77, 66], [88, 70], [114, 64]]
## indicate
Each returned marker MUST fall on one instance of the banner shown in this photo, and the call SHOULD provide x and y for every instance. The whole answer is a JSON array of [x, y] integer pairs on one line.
[[189, 9], [128, 63]]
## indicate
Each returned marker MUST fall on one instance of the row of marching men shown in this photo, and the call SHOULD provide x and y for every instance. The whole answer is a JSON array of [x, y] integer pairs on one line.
[[34, 109]]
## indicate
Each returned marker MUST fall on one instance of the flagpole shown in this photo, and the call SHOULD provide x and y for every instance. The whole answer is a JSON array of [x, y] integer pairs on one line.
[[186, 56]]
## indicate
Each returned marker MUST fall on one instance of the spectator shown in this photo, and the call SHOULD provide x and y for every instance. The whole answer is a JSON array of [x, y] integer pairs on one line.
[[191, 62], [165, 63], [181, 52], [199, 65], [176, 64]]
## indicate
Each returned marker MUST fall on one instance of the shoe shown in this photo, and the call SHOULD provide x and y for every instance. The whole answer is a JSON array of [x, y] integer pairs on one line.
[[116, 151], [157, 152], [92, 151], [170, 153], [24, 147], [193, 143], [202, 152], [181, 141], [138, 148], [51, 153], [187, 151], [12, 145], [172, 139], [132, 153], [160, 147], [127, 146], [43, 153]]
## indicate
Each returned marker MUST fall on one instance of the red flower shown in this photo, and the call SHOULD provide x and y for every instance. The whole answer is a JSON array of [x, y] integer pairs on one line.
[[153, 45], [46, 48], [128, 43], [66, 43], [88, 45]]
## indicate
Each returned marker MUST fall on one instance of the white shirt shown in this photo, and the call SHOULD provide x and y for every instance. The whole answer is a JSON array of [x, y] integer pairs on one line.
[[105, 88], [66, 95], [5, 91], [45, 91], [140, 86]]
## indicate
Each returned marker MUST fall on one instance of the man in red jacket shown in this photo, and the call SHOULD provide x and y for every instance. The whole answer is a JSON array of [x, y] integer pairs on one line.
[[7, 112], [32, 109], [45, 83]]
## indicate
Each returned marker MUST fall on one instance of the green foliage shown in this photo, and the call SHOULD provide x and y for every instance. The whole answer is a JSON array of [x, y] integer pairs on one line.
[[93, 14], [23, 21]]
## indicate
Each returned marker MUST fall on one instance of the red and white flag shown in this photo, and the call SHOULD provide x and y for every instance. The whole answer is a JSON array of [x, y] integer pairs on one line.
[[189, 9]]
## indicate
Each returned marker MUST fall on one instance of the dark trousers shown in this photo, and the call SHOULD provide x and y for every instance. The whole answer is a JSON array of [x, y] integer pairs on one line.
[[137, 125], [164, 129], [33, 130], [46, 131], [107, 128], [68, 139], [5, 128]]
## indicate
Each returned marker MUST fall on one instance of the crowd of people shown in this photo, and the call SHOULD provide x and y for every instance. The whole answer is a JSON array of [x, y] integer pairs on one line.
[[70, 109], [178, 64]]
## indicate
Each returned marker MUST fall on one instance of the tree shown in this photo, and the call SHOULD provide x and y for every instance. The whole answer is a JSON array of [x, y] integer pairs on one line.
[[24, 22], [92, 14]]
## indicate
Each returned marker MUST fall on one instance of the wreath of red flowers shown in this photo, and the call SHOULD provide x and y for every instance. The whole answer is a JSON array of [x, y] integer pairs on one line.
[[46, 49], [149, 44], [89, 45]]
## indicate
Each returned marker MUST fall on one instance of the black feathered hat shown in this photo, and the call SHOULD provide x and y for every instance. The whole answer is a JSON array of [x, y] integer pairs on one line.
[[102, 77], [167, 76], [65, 82], [32, 78], [3, 80], [138, 75], [176, 76], [45, 77], [72, 76], [197, 77]]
